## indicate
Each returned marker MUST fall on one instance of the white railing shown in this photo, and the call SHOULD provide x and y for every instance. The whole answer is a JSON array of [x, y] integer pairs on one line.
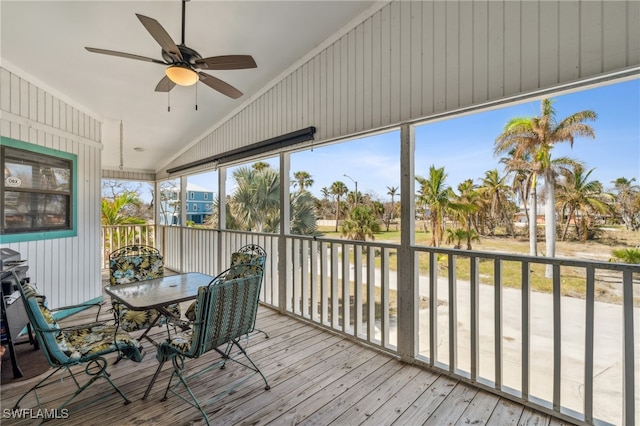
[[576, 357], [115, 236]]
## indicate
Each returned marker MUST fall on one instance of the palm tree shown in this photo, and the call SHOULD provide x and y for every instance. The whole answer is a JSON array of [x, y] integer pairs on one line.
[[465, 208], [338, 189], [466, 204], [303, 219], [391, 190], [580, 198], [302, 180], [498, 196], [627, 202], [325, 192], [436, 196], [257, 198], [360, 224], [456, 235], [536, 136], [255, 206], [524, 184], [626, 255], [114, 212]]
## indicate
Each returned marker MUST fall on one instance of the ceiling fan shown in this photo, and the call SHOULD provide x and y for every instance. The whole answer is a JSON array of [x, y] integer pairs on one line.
[[184, 64]]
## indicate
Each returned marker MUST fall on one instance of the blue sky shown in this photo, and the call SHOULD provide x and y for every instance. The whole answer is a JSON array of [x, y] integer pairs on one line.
[[464, 145]]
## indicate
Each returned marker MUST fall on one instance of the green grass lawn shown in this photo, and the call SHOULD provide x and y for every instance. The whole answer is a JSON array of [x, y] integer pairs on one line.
[[573, 281]]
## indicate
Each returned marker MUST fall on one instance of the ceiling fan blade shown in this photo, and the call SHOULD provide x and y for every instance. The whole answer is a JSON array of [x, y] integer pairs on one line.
[[160, 35], [165, 85], [220, 86], [227, 62], [125, 55]]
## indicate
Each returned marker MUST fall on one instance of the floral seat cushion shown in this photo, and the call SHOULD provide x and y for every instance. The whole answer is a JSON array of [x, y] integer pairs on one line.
[[78, 343], [180, 342], [132, 320]]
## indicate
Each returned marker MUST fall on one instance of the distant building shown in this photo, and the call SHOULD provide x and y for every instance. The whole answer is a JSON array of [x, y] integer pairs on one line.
[[198, 204]]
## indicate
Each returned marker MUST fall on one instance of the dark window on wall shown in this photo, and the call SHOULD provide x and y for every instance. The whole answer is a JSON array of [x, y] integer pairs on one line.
[[36, 191]]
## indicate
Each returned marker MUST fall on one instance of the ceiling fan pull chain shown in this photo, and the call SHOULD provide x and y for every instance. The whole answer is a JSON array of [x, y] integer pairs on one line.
[[168, 101], [196, 95]]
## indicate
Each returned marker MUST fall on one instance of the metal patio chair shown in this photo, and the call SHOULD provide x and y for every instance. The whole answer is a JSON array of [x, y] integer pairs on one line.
[[225, 312], [79, 345], [250, 254], [136, 263]]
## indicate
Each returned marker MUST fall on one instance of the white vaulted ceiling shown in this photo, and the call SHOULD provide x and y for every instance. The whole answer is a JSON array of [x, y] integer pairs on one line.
[[45, 40]]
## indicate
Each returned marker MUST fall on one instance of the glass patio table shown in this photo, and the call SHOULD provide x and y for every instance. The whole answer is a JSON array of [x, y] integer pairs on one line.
[[158, 293]]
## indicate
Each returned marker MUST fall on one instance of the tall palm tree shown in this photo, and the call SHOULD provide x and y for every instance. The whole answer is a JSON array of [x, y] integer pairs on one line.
[[466, 204], [302, 180], [498, 195], [338, 189], [325, 192], [537, 136], [524, 185], [436, 196], [580, 198], [391, 190]]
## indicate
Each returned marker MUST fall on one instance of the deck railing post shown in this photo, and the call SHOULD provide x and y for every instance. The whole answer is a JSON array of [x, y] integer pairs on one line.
[[407, 275], [628, 415]]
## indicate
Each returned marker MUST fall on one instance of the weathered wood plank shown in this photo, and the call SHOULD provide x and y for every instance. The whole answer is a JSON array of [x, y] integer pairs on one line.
[[292, 385], [428, 402], [479, 410], [453, 406], [316, 377], [533, 418], [355, 394], [384, 393], [506, 413]]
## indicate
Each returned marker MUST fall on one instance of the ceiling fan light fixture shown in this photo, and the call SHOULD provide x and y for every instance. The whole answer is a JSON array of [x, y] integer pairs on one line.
[[182, 75]]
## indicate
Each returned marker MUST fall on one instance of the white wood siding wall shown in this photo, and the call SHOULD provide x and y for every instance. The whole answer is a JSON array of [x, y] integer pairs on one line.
[[412, 60], [67, 270]]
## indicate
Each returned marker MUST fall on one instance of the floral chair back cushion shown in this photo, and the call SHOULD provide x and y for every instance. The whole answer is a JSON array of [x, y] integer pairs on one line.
[[131, 264], [135, 263]]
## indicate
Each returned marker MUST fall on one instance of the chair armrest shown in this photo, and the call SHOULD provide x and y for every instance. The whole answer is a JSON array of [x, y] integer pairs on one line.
[[81, 305], [70, 327]]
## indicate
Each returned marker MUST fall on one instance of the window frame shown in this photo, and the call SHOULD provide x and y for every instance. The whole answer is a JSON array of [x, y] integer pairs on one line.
[[72, 207]]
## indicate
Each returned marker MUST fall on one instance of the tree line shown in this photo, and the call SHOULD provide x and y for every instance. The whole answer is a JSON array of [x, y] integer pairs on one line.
[[496, 203]]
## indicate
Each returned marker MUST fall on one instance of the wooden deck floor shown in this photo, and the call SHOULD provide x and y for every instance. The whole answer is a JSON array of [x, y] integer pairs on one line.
[[316, 377]]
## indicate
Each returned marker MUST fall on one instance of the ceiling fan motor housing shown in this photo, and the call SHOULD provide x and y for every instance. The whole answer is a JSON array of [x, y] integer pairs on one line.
[[189, 56]]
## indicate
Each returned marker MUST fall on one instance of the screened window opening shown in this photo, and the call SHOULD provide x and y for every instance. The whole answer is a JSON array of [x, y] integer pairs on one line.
[[36, 192]]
